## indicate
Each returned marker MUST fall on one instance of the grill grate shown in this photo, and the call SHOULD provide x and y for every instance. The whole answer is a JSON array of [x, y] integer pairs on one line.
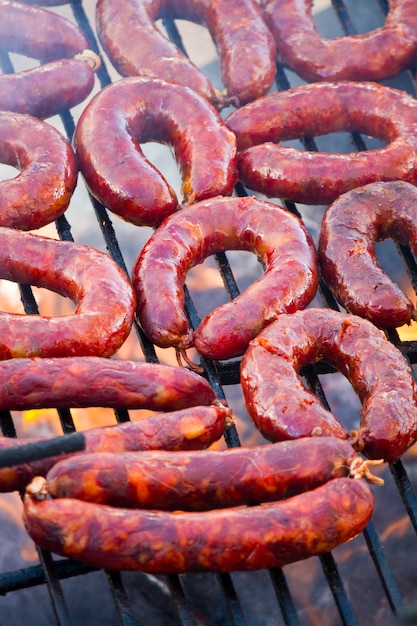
[[259, 598]]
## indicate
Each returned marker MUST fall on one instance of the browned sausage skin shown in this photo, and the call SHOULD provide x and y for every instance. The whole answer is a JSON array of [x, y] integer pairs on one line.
[[377, 55], [137, 47], [309, 111], [187, 237], [350, 227], [43, 188], [135, 110], [238, 538], [378, 372], [102, 294]]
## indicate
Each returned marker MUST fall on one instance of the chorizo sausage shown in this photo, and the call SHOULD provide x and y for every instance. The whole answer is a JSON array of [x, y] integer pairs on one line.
[[66, 76], [103, 297], [191, 428], [377, 55], [137, 47], [42, 190], [135, 110], [201, 480], [309, 111], [187, 237], [376, 369], [350, 227], [237, 538]]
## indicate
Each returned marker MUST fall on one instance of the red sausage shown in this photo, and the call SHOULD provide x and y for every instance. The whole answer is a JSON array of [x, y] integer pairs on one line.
[[380, 375], [42, 190], [200, 480], [101, 291], [187, 237], [349, 230], [238, 538], [377, 55], [311, 110], [191, 428], [135, 110], [66, 75], [136, 46]]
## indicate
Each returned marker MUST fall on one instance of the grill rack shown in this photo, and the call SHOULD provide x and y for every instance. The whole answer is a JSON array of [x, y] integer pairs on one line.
[[228, 591]]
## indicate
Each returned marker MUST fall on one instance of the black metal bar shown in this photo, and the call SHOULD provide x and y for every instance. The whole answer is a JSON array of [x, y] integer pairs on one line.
[[33, 451], [337, 588], [286, 603]]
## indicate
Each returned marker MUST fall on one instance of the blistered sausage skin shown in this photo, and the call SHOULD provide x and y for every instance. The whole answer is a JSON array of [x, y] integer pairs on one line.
[[190, 428], [42, 189], [102, 294], [350, 227], [201, 480], [186, 238], [66, 76], [376, 55], [317, 109], [135, 110], [237, 538], [137, 47], [282, 408]]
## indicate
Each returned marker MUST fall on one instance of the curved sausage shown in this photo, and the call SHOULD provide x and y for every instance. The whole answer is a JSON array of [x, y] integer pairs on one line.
[[201, 480], [187, 237], [190, 428], [377, 55], [135, 110], [66, 76], [349, 230], [311, 110], [376, 369], [238, 538], [102, 294], [42, 190], [136, 46]]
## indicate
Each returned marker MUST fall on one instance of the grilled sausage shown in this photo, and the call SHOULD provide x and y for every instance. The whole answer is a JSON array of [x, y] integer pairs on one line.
[[137, 47], [309, 111], [42, 190], [238, 538], [135, 110], [349, 230], [201, 480], [66, 75], [101, 291], [377, 55], [378, 372], [191, 428], [187, 237]]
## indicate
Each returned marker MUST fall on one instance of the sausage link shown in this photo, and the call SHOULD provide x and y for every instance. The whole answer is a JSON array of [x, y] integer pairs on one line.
[[187, 237], [309, 111], [350, 227], [238, 538], [137, 47], [191, 428], [201, 480], [135, 110], [101, 291], [376, 369], [376, 55]]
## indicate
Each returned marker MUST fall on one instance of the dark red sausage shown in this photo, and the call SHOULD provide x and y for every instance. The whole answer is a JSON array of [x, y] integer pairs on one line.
[[137, 47], [377, 55], [202, 480], [311, 110], [43, 188], [349, 230], [281, 406], [100, 290], [135, 110], [187, 237], [238, 538], [191, 428]]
